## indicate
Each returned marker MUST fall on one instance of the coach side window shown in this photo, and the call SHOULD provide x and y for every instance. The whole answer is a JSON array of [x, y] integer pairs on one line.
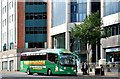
[[23, 58], [37, 57], [52, 57]]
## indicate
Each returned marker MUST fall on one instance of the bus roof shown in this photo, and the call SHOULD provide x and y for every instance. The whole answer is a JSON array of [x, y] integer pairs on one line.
[[47, 51], [55, 50]]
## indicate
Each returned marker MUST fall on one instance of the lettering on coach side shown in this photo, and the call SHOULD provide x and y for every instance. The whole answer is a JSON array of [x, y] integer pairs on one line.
[[37, 67], [34, 62]]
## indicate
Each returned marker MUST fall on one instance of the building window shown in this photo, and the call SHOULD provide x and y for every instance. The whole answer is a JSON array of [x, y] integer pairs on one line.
[[40, 15], [12, 3], [9, 5], [111, 4], [36, 30], [36, 3], [5, 22], [4, 47], [58, 12], [59, 41], [12, 17], [95, 6], [9, 19], [11, 45], [115, 29], [36, 45], [4, 65], [35, 23], [5, 9], [78, 10]]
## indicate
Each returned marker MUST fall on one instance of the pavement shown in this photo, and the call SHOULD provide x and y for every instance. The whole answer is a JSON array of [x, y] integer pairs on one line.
[[105, 75], [11, 72]]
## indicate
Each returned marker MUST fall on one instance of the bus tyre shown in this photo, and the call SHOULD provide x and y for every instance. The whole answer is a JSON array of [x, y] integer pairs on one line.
[[28, 72], [49, 72]]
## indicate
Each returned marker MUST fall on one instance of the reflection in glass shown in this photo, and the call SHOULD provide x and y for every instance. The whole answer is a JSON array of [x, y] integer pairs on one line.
[[111, 7], [67, 60], [58, 12], [78, 11]]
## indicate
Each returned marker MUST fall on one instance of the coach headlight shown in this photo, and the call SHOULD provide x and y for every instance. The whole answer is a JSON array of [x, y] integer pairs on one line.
[[61, 70], [56, 68], [74, 70], [64, 67]]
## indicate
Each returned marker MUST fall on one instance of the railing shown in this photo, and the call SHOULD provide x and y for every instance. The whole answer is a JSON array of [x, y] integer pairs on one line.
[[112, 67], [108, 67]]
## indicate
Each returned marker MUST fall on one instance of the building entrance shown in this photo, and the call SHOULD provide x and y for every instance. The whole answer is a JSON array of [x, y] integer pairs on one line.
[[11, 65], [115, 57]]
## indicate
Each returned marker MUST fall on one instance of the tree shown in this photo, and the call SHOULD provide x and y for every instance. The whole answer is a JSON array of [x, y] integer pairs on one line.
[[89, 31]]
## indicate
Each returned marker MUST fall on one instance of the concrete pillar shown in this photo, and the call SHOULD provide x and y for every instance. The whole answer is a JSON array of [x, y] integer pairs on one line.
[[102, 52], [88, 7], [15, 63], [67, 11], [8, 67], [67, 40], [54, 40], [49, 43], [102, 8], [18, 61], [67, 35]]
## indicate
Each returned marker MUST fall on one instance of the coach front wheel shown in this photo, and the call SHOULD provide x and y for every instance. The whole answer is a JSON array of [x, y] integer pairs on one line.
[[49, 72]]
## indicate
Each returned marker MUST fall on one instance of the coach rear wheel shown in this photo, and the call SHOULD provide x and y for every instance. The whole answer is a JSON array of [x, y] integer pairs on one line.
[[28, 72]]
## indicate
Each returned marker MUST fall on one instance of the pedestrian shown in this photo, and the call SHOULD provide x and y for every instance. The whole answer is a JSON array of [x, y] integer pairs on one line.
[[85, 68]]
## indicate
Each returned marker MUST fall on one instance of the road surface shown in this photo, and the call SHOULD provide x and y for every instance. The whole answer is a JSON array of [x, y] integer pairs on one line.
[[19, 75]]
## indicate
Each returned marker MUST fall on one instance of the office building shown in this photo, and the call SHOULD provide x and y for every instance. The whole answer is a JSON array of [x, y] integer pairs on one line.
[[110, 13], [62, 18], [63, 14], [23, 27]]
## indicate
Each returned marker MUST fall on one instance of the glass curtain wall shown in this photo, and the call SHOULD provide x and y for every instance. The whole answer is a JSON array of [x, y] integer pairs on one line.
[[78, 10], [58, 41], [58, 12], [111, 7], [115, 29], [35, 24]]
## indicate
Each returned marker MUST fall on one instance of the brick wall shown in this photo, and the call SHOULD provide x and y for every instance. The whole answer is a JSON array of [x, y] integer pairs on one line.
[[20, 24]]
